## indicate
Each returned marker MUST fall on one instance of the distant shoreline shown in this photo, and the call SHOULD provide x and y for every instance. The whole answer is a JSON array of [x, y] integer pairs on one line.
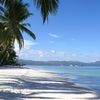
[[59, 63]]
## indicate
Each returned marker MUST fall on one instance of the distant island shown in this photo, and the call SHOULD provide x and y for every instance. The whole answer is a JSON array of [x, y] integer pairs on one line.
[[61, 63]]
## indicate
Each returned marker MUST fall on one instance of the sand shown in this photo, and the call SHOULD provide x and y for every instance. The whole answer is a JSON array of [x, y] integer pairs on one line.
[[29, 84]]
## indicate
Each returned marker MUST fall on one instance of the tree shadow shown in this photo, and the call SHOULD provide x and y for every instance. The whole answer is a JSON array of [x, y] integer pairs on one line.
[[7, 95], [40, 83]]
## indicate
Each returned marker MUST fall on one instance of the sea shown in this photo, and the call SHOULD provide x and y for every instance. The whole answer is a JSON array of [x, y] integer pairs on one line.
[[85, 76]]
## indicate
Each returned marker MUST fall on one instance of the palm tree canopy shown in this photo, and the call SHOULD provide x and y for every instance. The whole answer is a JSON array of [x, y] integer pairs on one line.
[[12, 16], [13, 13], [46, 7]]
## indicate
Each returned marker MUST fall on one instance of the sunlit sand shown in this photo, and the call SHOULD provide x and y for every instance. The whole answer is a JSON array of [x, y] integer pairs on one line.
[[28, 84]]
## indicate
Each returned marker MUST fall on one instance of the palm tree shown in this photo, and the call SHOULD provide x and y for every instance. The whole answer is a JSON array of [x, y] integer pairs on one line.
[[13, 13], [46, 7], [12, 25], [12, 17], [8, 57]]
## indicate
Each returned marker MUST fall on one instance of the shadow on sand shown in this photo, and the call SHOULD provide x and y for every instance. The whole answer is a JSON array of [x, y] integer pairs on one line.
[[39, 86]]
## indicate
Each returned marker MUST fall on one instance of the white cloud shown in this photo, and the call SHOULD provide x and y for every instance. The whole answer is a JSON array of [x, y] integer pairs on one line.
[[54, 55], [30, 54], [27, 45], [53, 51], [54, 35]]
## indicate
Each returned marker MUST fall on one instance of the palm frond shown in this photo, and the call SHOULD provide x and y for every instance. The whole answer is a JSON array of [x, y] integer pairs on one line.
[[18, 36], [26, 24], [23, 28], [47, 7]]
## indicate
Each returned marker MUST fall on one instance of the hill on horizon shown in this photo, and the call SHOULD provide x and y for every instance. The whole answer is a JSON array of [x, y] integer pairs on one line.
[[65, 63]]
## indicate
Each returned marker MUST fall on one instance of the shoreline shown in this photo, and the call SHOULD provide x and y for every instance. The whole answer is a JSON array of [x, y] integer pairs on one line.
[[21, 83]]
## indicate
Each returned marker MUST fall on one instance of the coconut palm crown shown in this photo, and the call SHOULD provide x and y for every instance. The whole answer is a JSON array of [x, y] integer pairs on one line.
[[13, 14], [12, 17], [46, 7]]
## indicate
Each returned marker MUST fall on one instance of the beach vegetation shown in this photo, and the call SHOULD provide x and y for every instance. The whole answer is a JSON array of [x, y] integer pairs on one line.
[[13, 14]]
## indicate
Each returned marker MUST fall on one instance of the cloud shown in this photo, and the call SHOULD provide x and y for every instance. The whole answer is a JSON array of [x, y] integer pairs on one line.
[[53, 51], [54, 35], [52, 55], [29, 53], [27, 45]]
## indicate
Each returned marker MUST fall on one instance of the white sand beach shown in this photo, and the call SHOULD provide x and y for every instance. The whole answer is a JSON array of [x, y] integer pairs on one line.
[[28, 84]]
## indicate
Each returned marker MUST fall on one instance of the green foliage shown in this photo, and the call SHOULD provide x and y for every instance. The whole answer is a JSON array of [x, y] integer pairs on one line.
[[8, 57], [47, 7], [12, 25], [13, 14]]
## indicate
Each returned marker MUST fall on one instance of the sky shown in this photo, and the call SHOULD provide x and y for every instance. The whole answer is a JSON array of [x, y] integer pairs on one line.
[[72, 34]]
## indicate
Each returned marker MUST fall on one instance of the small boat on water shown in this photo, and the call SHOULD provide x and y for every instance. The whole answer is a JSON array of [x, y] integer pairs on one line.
[[73, 65]]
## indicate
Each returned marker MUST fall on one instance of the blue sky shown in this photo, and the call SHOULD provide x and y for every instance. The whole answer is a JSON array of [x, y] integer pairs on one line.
[[73, 34]]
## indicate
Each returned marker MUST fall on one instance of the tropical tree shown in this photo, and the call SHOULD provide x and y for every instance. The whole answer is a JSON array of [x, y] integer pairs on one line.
[[8, 57], [13, 13], [12, 18], [7, 53], [46, 7]]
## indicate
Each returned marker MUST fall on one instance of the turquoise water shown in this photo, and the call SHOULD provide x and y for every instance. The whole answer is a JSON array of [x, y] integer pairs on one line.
[[86, 76]]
